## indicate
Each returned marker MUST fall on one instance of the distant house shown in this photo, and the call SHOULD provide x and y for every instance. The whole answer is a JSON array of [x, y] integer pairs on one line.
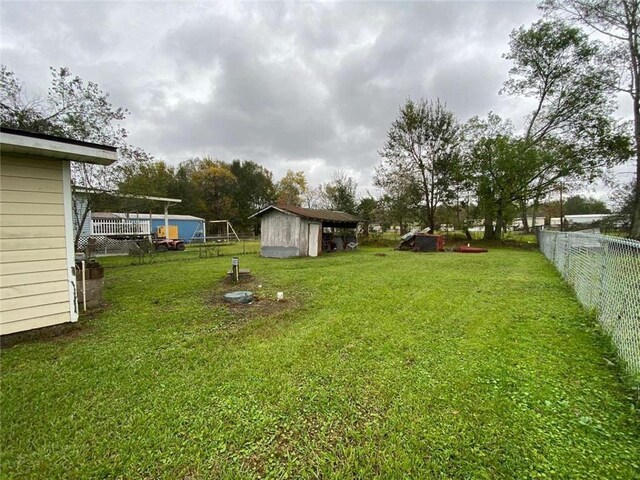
[[517, 223], [585, 219], [37, 260], [288, 231]]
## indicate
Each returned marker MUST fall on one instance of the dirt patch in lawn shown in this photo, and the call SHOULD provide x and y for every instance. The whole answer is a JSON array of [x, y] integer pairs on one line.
[[264, 302]]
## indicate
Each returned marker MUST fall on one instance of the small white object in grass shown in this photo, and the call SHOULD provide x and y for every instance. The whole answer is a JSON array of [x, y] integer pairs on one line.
[[468, 244], [280, 296], [259, 286]]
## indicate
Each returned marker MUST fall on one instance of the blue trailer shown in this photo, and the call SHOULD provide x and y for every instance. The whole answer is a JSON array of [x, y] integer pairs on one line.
[[189, 228]]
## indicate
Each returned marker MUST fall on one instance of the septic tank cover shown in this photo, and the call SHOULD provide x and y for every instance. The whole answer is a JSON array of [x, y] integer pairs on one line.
[[241, 296]]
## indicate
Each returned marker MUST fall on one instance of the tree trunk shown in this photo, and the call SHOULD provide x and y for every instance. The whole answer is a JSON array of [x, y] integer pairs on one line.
[[635, 214], [536, 201], [467, 233], [364, 232], [561, 210], [632, 29], [489, 233], [499, 225], [431, 219], [432, 205], [525, 221]]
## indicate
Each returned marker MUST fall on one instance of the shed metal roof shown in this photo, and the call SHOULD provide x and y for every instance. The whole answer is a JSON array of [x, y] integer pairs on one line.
[[312, 214], [104, 215], [77, 190], [145, 216]]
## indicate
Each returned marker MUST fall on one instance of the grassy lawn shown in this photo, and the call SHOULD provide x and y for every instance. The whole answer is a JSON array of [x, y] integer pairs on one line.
[[378, 364]]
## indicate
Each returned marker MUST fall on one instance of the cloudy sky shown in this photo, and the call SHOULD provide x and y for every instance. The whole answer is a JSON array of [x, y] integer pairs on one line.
[[303, 86]]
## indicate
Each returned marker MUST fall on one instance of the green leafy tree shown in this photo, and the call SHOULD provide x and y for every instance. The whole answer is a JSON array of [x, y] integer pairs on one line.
[[504, 170], [624, 202], [160, 180], [291, 188], [340, 193], [215, 183], [207, 187], [152, 178], [571, 126], [183, 188], [401, 197], [557, 66], [579, 205], [618, 21], [253, 190], [495, 163], [423, 148], [366, 209]]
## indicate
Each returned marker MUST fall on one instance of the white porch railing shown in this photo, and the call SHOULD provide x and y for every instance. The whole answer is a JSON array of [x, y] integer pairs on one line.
[[113, 226]]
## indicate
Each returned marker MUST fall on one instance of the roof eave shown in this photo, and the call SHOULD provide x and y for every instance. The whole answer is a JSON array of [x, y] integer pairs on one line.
[[41, 147], [305, 216], [265, 209]]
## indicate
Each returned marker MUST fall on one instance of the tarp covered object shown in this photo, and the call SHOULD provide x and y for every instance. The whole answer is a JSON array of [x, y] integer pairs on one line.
[[422, 242]]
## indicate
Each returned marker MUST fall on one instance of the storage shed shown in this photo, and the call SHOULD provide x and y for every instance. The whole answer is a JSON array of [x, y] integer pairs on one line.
[[37, 261], [288, 231]]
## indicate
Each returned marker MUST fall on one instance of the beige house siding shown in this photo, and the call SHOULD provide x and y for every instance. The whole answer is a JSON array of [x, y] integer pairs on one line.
[[34, 260]]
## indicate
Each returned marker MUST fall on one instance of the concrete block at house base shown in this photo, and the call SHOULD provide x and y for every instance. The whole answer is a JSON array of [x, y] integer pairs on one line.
[[93, 294]]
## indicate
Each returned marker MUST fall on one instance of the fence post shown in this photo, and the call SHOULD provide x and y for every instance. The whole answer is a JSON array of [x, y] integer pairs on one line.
[[603, 278], [567, 258]]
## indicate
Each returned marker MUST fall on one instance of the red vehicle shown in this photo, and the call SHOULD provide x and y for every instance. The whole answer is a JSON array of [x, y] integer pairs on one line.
[[166, 244]]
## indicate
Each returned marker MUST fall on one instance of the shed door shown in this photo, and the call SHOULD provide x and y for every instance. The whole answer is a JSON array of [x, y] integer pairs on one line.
[[314, 236]]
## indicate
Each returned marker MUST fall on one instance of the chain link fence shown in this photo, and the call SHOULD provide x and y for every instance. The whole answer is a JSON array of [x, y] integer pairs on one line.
[[106, 246], [604, 272]]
